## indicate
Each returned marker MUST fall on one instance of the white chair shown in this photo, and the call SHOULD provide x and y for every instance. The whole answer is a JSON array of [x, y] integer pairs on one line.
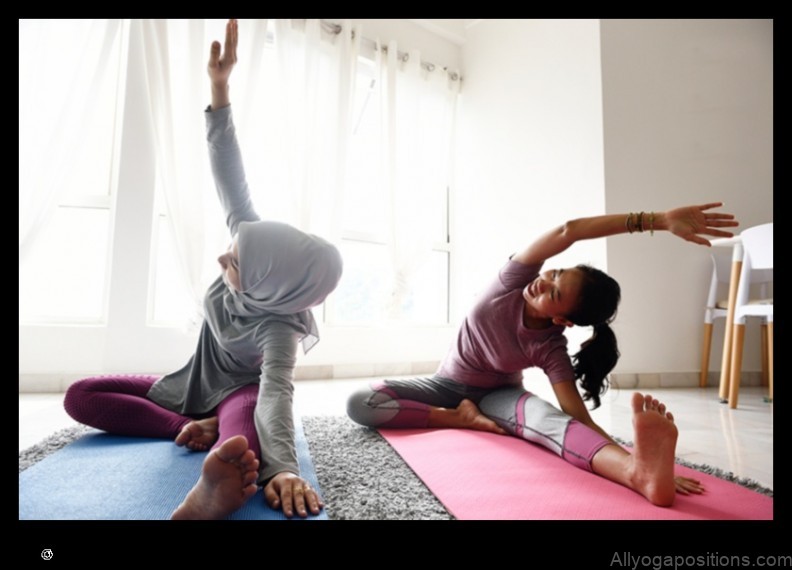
[[757, 268]]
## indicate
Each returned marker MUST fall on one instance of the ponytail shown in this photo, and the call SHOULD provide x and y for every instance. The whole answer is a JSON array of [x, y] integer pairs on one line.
[[594, 361], [599, 299]]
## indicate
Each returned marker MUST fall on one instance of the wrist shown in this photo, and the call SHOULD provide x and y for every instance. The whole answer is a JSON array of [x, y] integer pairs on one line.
[[645, 222], [220, 97], [660, 221]]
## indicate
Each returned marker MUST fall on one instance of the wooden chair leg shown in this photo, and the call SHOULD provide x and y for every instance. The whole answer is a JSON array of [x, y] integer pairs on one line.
[[764, 355], [705, 355], [727, 333], [770, 358], [736, 364]]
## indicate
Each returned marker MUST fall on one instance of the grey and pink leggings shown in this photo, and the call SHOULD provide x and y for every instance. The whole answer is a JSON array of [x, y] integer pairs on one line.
[[406, 404], [118, 405]]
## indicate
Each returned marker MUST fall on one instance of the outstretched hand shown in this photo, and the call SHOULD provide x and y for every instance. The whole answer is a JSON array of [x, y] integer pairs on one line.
[[221, 62], [292, 494], [691, 221]]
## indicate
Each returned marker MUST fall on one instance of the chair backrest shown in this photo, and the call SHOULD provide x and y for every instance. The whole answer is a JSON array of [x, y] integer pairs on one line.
[[758, 245]]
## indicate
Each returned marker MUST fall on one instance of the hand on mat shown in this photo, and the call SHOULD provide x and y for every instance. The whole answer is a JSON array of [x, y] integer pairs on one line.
[[292, 493], [690, 221], [686, 486]]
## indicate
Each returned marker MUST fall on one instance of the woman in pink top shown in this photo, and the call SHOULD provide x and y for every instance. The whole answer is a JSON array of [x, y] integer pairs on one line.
[[518, 323]]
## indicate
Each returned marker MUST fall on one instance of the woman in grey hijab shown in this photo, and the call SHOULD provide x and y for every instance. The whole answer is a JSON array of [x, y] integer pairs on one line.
[[235, 393]]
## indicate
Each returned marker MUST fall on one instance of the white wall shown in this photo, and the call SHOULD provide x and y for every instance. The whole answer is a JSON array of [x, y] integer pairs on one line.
[[688, 118], [530, 150]]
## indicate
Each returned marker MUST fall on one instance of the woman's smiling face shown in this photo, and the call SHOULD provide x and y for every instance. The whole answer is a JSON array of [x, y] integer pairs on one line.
[[554, 294]]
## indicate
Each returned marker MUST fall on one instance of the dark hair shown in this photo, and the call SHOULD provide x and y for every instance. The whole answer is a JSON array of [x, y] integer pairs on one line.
[[599, 299]]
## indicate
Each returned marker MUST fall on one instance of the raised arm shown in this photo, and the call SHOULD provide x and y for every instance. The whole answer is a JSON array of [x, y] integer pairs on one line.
[[688, 223], [225, 156]]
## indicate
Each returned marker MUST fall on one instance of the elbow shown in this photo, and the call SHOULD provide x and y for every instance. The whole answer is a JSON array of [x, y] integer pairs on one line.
[[569, 232], [579, 229]]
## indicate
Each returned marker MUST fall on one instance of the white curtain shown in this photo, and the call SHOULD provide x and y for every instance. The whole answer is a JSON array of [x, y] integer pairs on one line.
[[176, 54], [290, 101], [74, 70], [418, 108], [310, 118]]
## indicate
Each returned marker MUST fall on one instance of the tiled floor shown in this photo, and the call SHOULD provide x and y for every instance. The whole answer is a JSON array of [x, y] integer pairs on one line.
[[740, 441]]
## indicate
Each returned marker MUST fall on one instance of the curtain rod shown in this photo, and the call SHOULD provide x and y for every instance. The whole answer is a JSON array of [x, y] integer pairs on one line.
[[334, 28]]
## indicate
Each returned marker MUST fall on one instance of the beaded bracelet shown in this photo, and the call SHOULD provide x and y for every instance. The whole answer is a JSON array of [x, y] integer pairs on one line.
[[638, 224]]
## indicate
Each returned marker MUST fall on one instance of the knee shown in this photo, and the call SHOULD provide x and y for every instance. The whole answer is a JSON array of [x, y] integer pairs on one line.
[[76, 399], [360, 408], [245, 398]]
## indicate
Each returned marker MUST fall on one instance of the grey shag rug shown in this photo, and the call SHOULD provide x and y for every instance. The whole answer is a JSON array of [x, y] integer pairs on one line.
[[361, 476]]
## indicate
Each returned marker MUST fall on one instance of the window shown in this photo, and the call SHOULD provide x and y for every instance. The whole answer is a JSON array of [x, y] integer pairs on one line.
[[70, 123], [374, 288], [275, 131], [68, 134]]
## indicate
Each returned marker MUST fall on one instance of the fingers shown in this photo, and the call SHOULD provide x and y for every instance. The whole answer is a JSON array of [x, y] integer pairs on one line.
[[314, 501], [232, 32], [718, 233], [698, 239], [293, 495], [719, 216], [298, 497], [214, 54], [271, 495], [686, 486]]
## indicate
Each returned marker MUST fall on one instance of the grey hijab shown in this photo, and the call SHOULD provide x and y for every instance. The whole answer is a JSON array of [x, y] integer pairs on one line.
[[283, 271]]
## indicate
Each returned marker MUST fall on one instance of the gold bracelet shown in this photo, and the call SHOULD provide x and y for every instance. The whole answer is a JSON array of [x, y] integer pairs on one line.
[[627, 224]]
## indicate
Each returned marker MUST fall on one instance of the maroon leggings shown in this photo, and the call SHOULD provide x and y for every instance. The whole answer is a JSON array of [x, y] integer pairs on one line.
[[118, 404]]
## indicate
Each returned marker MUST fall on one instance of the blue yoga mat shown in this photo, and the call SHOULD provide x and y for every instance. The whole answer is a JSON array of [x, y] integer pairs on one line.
[[109, 477]]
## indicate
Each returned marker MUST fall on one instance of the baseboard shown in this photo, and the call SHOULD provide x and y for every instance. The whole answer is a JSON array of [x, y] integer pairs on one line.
[[55, 383], [648, 380]]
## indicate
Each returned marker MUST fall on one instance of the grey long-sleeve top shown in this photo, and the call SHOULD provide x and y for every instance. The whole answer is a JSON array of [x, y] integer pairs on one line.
[[252, 336]]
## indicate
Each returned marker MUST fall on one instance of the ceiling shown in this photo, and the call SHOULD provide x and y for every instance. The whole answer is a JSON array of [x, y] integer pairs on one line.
[[453, 30]]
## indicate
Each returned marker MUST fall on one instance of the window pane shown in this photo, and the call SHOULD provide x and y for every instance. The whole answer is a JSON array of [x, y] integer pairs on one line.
[[363, 296], [365, 198], [65, 275], [171, 295], [427, 301], [67, 111]]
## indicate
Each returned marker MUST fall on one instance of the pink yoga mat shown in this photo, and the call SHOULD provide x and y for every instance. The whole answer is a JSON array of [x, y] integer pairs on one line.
[[483, 476]]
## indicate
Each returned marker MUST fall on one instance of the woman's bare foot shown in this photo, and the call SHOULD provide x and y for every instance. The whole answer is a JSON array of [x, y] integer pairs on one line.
[[199, 435], [652, 468], [228, 480], [465, 416]]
